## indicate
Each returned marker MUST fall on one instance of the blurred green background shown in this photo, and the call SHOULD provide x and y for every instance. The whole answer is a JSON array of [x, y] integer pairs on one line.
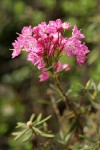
[[21, 94]]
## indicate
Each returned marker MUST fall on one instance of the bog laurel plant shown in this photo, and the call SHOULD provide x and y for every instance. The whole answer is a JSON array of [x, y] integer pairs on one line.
[[45, 45]]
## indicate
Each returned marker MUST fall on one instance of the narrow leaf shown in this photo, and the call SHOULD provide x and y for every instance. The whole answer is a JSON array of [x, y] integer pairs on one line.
[[47, 135], [20, 124], [88, 138], [16, 133], [32, 117], [27, 136], [61, 135], [42, 121], [36, 130], [20, 134], [88, 84], [39, 117]]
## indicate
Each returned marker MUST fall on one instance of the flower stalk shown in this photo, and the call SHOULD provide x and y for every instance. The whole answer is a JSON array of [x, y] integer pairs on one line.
[[69, 103], [64, 96]]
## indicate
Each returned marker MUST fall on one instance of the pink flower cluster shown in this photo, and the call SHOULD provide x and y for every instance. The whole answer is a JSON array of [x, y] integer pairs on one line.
[[45, 43]]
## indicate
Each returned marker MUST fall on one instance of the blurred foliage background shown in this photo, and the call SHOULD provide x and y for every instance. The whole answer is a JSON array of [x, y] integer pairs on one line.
[[21, 94]]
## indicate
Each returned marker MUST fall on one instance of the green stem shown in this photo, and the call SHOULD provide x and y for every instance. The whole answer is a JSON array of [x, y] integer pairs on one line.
[[68, 102], [36, 139], [64, 96]]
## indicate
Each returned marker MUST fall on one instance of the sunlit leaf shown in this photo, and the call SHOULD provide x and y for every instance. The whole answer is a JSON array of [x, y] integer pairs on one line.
[[27, 136], [47, 135], [36, 130], [39, 118], [20, 124], [42, 121], [19, 134], [32, 117]]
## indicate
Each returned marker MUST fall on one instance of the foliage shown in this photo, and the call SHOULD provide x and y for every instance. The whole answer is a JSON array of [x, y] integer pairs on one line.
[[32, 128]]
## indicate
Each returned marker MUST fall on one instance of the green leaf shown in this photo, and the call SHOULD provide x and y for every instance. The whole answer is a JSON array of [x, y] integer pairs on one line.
[[20, 124], [88, 84], [98, 87], [16, 133], [42, 133], [61, 135], [47, 135], [27, 136], [59, 100], [36, 130], [39, 117], [87, 138], [32, 117], [42, 121], [19, 134], [67, 137]]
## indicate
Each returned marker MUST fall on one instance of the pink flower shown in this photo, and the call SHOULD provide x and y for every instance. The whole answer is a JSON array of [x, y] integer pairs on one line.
[[81, 58], [41, 30], [54, 26], [72, 46], [66, 67], [27, 31], [44, 76], [34, 58], [45, 43], [30, 44], [58, 67], [84, 49], [17, 48], [77, 34], [66, 25], [15, 53]]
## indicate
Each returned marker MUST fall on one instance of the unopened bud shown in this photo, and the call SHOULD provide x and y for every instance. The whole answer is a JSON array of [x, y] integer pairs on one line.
[[29, 124]]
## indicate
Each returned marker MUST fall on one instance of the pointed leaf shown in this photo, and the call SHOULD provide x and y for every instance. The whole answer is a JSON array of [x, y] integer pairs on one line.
[[61, 135], [88, 138], [32, 117], [42, 121], [88, 84], [47, 135], [21, 134], [39, 117], [20, 124], [15, 133], [36, 130], [67, 137], [27, 136]]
